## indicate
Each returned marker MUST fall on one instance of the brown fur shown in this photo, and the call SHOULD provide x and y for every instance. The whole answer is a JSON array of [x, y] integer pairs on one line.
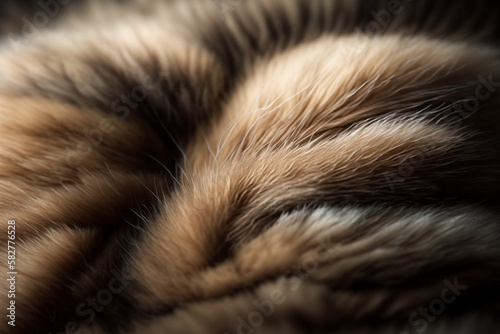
[[278, 156]]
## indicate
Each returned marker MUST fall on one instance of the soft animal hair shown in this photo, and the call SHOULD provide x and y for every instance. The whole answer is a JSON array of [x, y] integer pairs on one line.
[[254, 166]]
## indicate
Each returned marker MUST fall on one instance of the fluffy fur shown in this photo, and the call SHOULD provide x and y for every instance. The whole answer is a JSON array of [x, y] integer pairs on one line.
[[253, 167]]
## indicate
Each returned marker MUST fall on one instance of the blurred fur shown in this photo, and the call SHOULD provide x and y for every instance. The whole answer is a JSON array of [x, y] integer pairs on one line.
[[224, 158]]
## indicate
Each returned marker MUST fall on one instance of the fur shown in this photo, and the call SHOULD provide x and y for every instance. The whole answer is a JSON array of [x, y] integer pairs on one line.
[[252, 167]]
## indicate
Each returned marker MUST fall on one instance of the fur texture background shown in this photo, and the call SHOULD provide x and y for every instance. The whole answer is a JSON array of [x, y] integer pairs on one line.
[[254, 166]]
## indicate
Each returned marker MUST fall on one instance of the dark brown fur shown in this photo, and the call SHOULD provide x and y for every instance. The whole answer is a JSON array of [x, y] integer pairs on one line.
[[268, 136]]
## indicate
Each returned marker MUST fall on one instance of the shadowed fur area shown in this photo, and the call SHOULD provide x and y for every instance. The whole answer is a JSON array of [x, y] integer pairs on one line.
[[241, 167]]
